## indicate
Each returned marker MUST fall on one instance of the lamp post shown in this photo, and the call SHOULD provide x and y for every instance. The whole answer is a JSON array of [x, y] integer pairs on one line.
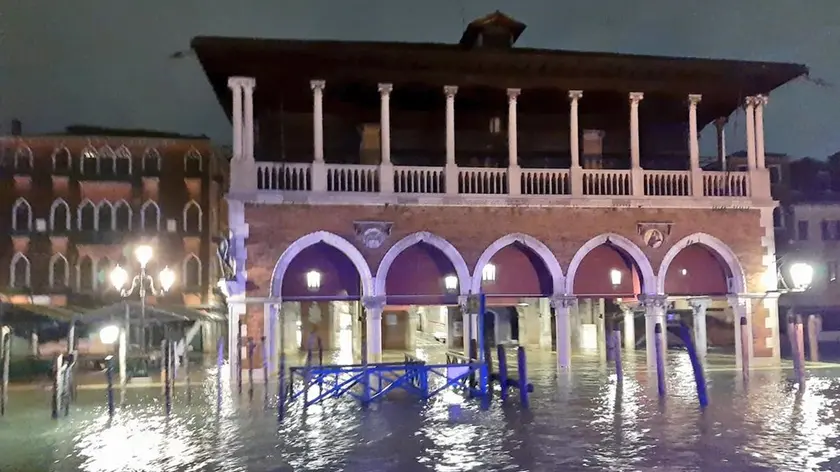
[[141, 283], [801, 277]]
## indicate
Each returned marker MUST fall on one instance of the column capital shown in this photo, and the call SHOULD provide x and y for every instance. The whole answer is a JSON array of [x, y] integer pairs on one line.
[[751, 101], [318, 85], [699, 304], [737, 301], [761, 100], [513, 93], [575, 95], [374, 303], [654, 301], [385, 89], [562, 301], [450, 90], [244, 82], [694, 99], [636, 97]]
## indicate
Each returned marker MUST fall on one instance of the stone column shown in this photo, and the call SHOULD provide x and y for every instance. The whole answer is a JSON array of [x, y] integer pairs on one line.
[[319, 170], [760, 103], [575, 171], [741, 309], [386, 169], [467, 327], [635, 167], [749, 108], [235, 86], [451, 169], [694, 146], [563, 329], [270, 323], [698, 309], [248, 139], [655, 313], [514, 172], [629, 327], [373, 312]]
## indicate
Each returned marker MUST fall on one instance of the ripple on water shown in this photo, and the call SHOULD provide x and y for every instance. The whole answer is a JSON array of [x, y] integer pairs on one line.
[[577, 420]]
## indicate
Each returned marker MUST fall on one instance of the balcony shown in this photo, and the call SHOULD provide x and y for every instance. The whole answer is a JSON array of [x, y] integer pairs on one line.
[[355, 181]]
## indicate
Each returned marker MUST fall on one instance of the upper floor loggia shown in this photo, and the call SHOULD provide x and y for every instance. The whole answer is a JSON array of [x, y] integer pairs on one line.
[[482, 117]]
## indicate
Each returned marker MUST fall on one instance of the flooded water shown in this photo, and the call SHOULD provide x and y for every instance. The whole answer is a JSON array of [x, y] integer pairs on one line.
[[577, 421]]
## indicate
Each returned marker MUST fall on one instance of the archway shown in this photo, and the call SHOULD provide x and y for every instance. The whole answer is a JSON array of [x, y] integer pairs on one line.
[[421, 272], [700, 264]]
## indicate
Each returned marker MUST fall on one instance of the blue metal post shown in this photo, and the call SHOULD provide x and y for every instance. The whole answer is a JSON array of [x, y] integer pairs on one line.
[[265, 368], [524, 386], [220, 360], [167, 386], [251, 346], [109, 378], [660, 367], [616, 341], [483, 375], [56, 387], [5, 342], [699, 377], [503, 374]]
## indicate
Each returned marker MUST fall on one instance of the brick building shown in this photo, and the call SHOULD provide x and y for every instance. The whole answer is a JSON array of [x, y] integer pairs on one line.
[[75, 204], [395, 179]]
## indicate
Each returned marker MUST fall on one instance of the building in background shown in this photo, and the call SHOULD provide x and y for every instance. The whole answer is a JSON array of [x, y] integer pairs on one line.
[[75, 204]]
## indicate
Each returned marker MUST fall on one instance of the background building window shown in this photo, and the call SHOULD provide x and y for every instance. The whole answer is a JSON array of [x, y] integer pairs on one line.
[[802, 230]]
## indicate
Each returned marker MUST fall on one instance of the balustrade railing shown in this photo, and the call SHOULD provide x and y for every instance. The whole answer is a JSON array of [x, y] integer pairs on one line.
[[356, 178]]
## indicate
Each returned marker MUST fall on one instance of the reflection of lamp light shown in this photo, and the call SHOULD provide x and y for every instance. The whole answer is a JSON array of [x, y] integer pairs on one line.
[[119, 277], [488, 273], [109, 334], [450, 282], [313, 280], [166, 278], [801, 274], [615, 277]]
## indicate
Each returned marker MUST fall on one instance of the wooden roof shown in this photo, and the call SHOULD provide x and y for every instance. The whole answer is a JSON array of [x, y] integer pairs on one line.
[[284, 67]]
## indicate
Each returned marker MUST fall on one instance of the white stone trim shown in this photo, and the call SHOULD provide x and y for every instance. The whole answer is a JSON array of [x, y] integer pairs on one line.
[[311, 239], [123, 153], [19, 256], [146, 206], [66, 274], [106, 152], [55, 204], [80, 209], [738, 284], [22, 202], [184, 270], [554, 269], [148, 154], [99, 207], [56, 152], [24, 152], [619, 241], [191, 154], [115, 215], [89, 152], [193, 203], [461, 268]]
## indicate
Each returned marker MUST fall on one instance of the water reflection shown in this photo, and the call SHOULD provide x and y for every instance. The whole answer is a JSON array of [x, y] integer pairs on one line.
[[582, 418]]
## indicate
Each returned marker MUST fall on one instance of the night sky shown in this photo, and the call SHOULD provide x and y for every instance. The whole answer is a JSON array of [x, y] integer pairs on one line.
[[106, 62]]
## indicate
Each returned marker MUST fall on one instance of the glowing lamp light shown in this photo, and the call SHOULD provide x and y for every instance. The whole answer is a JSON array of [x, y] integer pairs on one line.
[[801, 274], [119, 277], [488, 273], [109, 334], [143, 253], [166, 278], [450, 282], [683, 271], [615, 277], [313, 280]]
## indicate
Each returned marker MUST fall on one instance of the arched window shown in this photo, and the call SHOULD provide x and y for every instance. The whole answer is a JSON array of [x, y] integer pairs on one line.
[[89, 161], [107, 161], [192, 272], [19, 271], [21, 215], [123, 164], [151, 161], [122, 216], [85, 274], [86, 216], [23, 159], [59, 216], [104, 216], [62, 160], [103, 270], [150, 216], [192, 217], [192, 162], [59, 271]]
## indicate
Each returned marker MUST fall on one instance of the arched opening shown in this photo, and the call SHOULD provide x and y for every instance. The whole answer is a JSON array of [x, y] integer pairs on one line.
[[23, 160], [123, 161], [107, 161], [105, 216], [150, 216], [151, 161], [192, 162], [22, 216], [85, 274], [62, 160], [89, 163], [60, 216], [516, 271], [422, 274], [192, 273], [59, 272], [123, 216], [103, 272], [87, 216], [192, 217], [697, 271], [607, 271], [20, 271]]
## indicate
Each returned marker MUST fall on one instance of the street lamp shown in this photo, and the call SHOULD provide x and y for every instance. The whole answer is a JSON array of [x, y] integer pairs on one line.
[[801, 274], [109, 334], [615, 277], [450, 282], [488, 273], [141, 282]]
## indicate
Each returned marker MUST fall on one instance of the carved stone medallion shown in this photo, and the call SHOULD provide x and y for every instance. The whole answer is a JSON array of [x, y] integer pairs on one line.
[[372, 234], [654, 234]]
